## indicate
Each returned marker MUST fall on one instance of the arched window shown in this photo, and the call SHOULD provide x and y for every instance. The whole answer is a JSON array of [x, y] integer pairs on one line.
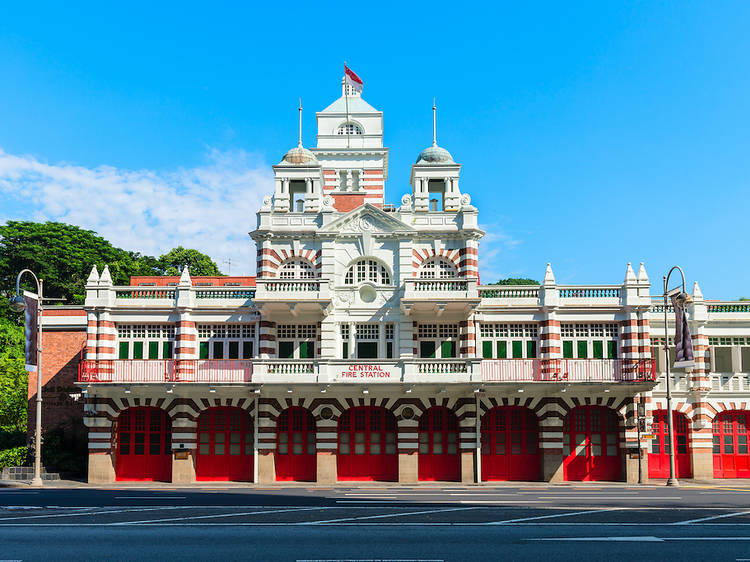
[[296, 268], [367, 270], [437, 268], [349, 129]]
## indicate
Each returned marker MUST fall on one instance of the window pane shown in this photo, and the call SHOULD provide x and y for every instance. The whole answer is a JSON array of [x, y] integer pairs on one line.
[[582, 348], [517, 350], [167, 350], [427, 349], [286, 350], [234, 350], [728, 445], [487, 350], [598, 349], [531, 349], [153, 350], [138, 350], [218, 350], [568, 350], [502, 350], [203, 350], [124, 350]]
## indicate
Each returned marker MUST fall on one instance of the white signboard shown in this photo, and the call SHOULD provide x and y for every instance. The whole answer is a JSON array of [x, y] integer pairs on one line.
[[366, 372]]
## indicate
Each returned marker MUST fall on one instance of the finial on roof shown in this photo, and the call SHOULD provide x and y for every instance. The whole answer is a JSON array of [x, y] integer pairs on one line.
[[434, 123], [93, 276], [549, 277], [697, 293], [630, 275], [185, 277], [642, 275], [106, 278], [300, 123]]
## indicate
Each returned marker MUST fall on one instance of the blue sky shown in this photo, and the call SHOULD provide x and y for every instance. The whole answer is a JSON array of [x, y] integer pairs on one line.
[[590, 136]]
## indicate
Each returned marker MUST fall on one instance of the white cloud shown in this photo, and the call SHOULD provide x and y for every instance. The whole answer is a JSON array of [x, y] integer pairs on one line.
[[493, 250], [210, 208]]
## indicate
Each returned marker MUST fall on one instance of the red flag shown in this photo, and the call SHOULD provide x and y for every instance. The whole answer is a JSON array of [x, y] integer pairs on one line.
[[352, 80]]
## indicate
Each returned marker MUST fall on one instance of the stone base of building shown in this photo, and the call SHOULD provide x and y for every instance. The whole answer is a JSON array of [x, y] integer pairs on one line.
[[326, 469], [408, 468], [101, 469], [183, 467]]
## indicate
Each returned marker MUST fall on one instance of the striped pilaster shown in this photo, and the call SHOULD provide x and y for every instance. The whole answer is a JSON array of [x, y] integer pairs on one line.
[[700, 378], [467, 337], [468, 265], [550, 347], [372, 183], [268, 411], [630, 334], [551, 412], [644, 345], [106, 337], [408, 435], [267, 338], [186, 349], [184, 433], [415, 337], [466, 412], [91, 335], [100, 427]]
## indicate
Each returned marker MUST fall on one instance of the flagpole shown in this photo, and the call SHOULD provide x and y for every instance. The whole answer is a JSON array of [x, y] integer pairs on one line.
[[346, 98]]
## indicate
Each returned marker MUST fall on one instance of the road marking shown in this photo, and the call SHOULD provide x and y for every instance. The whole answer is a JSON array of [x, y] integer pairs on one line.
[[639, 498], [150, 498], [499, 502], [386, 515], [552, 516], [81, 513], [600, 539], [213, 516], [723, 516]]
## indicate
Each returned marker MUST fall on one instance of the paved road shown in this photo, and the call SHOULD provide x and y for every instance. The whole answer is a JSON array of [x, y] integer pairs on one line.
[[558, 522]]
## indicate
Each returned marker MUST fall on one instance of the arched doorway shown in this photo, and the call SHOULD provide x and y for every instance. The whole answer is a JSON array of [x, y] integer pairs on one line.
[[367, 445], [144, 445], [510, 444], [295, 445], [658, 458], [591, 444], [439, 457], [731, 433], [225, 445]]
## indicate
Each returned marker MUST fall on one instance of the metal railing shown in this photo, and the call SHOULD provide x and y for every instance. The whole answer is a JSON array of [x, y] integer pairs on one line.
[[593, 292], [218, 293], [509, 292], [165, 370], [568, 370], [292, 285], [435, 285], [140, 293], [444, 367], [728, 307]]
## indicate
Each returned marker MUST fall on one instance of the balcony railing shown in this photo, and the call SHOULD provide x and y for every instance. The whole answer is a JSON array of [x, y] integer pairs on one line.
[[220, 293], [591, 292], [509, 292], [140, 293], [568, 370], [165, 370], [728, 307], [299, 290]]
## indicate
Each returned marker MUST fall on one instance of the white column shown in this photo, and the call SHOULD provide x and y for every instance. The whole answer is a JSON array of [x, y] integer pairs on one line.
[[381, 340], [352, 340], [308, 185]]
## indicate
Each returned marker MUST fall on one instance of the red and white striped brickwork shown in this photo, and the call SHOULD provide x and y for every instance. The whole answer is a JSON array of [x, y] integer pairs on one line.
[[635, 341], [467, 338], [269, 260], [267, 338], [186, 347], [549, 344], [468, 265], [92, 342], [419, 256], [371, 182]]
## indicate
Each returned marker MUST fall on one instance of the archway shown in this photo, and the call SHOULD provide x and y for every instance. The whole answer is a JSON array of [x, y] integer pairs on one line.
[[144, 445]]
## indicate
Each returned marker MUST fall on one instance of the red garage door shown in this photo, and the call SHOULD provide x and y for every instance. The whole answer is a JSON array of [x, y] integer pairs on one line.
[[438, 445], [510, 444], [295, 445], [367, 445], [144, 445], [591, 444], [731, 433], [225, 445], [658, 458]]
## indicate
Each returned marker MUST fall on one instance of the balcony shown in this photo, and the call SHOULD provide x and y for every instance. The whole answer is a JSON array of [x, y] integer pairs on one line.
[[292, 296], [169, 297], [165, 371], [569, 370], [435, 297]]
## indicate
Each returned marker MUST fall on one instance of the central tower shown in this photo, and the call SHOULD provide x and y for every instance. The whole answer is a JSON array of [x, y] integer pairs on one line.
[[350, 151]]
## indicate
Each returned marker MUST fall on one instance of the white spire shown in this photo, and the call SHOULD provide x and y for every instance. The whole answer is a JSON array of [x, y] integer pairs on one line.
[[434, 123], [630, 275], [93, 276], [549, 277], [185, 277], [106, 278], [300, 123], [697, 293], [642, 275]]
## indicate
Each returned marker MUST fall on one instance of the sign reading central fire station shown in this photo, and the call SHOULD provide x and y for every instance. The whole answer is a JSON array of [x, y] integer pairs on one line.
[[367, 371]]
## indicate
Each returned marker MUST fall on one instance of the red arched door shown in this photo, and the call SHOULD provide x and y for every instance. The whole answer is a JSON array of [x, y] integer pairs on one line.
[[510, 444], [367, 445], [731, 434], [295, 445], [225, 445], [658, 458], [438, 445], [144, 445], [591, 444]]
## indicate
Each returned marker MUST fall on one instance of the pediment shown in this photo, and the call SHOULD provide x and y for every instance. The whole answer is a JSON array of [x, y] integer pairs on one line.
[[369, 219]]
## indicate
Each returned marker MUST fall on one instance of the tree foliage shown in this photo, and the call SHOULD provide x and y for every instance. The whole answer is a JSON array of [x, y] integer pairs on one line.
[[173, 261], [516, 281], [13, 378]]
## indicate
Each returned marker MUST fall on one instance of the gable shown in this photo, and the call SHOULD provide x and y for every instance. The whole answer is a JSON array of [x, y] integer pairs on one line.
[[367, 218]]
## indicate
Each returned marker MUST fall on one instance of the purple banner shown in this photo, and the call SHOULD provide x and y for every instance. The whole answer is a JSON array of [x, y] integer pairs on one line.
[[683, 341], [32, 330]]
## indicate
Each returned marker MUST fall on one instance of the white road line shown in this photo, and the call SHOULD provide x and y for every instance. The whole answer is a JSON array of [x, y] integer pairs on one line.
[[722, 516], [499, 502], [92, 511], [600, 539], [552, 516], [386, 515], [150, 498], [213, 516]]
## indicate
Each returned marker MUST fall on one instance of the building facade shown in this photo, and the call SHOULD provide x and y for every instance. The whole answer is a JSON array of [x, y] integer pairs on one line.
[[366, 349]]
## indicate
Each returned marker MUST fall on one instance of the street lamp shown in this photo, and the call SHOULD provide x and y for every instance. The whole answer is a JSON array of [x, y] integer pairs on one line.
[[18, 304], [681, 297]]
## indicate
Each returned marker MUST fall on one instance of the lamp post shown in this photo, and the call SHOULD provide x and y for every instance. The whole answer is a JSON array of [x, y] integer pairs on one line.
[[18, 304], [684, 298]]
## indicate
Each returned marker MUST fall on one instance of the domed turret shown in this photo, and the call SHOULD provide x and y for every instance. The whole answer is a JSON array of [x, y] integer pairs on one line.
[[434, 156], [300, 156]]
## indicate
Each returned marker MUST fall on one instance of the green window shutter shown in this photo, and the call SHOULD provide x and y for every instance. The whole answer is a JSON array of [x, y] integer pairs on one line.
[[203, 350], [502, 350], [306, 350], [137, 350], [598, 349], [286, 350], [124, 350], [583, 348], [166, 349], [389, 350], [218, 350], [427, 349], [448, 349], [568, 349], [612, 349], [367, 350], [487, 349], [345, 350], [531, 349], [153, 350], [517, 349], [234, 350], [247, 350]]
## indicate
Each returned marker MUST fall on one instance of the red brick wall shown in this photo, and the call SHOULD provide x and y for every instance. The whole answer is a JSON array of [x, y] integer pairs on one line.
[[164, 280], [348, 202], [61, 352]]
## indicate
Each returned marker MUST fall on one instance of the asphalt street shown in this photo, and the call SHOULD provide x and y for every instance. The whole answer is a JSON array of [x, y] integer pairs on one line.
[[375, 523]]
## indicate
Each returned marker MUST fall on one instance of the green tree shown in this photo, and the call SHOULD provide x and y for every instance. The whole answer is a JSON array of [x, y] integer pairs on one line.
[[13, 378], [173, 261], [516, 281]]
